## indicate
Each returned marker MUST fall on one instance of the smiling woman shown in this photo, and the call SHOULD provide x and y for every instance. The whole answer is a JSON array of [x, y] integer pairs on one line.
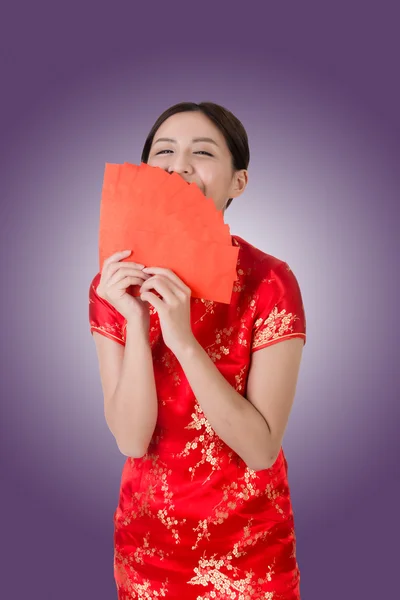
[[198, 396], [206, 144]]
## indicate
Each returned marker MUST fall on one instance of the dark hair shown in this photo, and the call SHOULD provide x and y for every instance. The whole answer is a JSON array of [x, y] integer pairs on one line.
[[229, 125]]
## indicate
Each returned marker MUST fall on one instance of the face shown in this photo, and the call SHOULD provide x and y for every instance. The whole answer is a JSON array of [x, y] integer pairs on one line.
[[189, 144]]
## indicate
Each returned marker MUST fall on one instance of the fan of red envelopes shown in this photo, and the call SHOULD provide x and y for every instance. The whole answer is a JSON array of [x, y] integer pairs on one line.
[[167, 222]]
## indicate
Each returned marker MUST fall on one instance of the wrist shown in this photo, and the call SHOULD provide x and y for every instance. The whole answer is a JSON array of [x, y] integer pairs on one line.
[[136, 328], [188, 349]]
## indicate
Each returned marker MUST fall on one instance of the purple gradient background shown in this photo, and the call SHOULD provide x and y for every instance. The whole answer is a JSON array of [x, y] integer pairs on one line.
[[319, 93]]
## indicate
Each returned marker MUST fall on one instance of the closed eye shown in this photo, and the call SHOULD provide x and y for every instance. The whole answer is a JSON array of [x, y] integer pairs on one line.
[[198, 152]]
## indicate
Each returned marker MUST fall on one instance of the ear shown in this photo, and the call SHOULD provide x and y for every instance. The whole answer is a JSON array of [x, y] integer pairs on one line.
[[239, 183]]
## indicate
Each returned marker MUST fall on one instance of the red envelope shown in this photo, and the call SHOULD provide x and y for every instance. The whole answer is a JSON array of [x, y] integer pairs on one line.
[[169, 223]]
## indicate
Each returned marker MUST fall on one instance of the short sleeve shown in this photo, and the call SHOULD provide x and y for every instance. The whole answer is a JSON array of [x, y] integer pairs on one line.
[[280, 312], [103, 317]]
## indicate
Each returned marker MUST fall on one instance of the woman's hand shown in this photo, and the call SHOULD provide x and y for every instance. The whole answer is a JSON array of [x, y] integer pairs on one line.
[[173, 308], [115, 279]]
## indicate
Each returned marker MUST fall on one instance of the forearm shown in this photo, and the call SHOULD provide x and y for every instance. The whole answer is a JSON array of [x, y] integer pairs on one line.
[[132, 411], [233, 418]]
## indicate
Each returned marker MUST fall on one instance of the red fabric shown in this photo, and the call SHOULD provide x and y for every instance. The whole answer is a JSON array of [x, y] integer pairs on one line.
[[193, 522]]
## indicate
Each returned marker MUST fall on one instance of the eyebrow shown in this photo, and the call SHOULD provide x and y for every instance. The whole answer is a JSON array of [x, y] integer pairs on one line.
[[194, 140]]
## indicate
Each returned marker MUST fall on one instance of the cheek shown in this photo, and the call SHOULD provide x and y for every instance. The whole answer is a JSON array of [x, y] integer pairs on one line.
[[211, 180], [155, 161]]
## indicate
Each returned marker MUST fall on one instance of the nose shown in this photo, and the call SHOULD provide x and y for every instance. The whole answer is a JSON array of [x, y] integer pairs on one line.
[[180, 165]]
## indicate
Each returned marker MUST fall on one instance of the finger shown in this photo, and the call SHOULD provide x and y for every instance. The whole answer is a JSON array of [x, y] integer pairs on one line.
[[112, 263], [131, 264], [162, 286], [117, 266], [170, 275], [128, 269], [121, 273], [127, 281], [153, 300], [116, 257]]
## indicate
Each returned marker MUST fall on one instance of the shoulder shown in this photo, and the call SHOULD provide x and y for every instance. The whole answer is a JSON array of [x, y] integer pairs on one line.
[[267, 279], [272, 293], [255, 263]]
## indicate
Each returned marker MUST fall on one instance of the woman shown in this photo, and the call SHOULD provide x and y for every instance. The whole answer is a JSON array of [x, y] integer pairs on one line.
[[198, 395]]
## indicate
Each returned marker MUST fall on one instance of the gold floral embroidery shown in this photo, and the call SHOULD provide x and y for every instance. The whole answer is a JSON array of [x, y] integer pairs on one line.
[[172, 365], [267, 280], [272, 495], [209, 572], [166, 400], [243, 333], [210, 306], [253, 305], [229, 582], [211, 444], [220, 512], [241, 282], [114, 330], [158, 481], [251, 539], [234, 494], [293, 535], [129, 581], [240, 379], [144, 551], [223, 342], [276, 325]]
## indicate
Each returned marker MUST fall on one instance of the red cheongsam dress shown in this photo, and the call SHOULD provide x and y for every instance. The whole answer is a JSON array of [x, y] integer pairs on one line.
[[193, 522]]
